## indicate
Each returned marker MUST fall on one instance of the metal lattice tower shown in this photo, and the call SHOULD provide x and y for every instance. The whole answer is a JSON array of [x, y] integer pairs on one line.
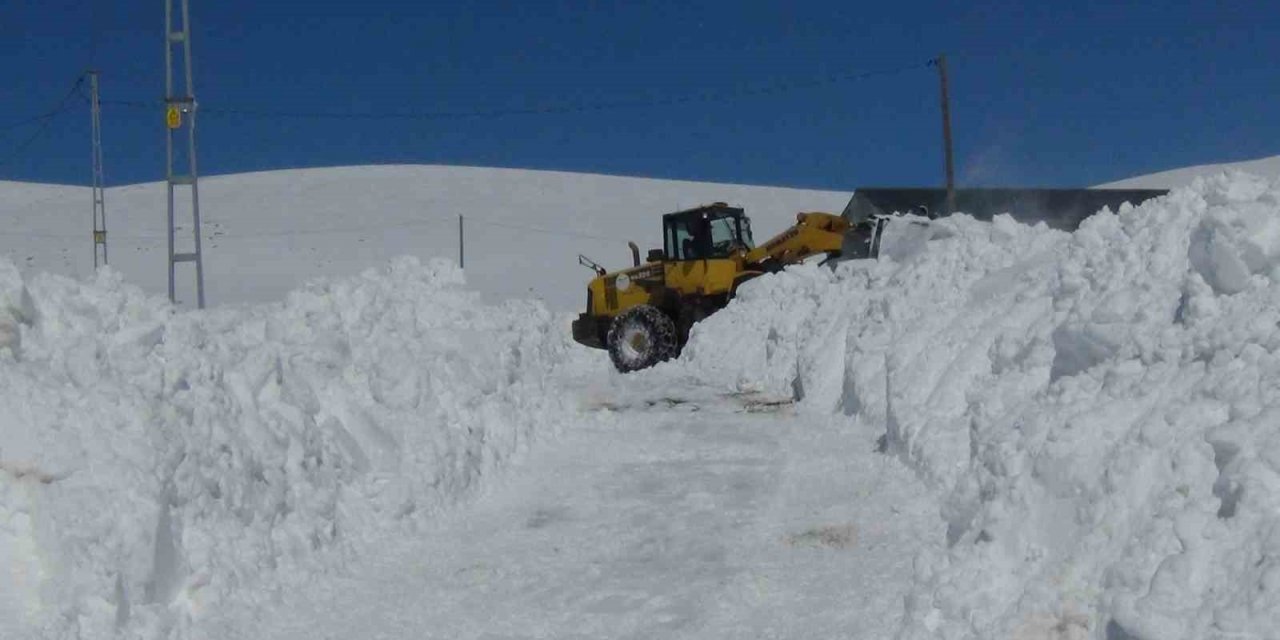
[[99, 202], [180, 113]]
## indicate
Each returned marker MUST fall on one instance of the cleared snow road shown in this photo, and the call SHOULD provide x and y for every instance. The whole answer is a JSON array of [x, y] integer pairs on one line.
[[699, 517]]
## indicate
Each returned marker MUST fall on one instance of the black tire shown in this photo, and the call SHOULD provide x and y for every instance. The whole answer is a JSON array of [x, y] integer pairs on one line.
[[641, 337]]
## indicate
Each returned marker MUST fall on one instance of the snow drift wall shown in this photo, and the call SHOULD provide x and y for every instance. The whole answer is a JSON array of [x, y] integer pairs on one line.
[[153, 463], [1100, 410]]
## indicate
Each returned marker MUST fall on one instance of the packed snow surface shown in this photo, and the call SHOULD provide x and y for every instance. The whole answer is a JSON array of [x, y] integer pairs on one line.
[[678, 512], [994, 431]]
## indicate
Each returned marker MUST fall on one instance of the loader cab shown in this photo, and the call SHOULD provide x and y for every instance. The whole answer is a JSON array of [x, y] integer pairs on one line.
[[712, 231]]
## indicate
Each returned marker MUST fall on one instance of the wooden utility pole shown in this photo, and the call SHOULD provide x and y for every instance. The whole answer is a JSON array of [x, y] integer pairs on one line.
[[462, 256], [941, 63]]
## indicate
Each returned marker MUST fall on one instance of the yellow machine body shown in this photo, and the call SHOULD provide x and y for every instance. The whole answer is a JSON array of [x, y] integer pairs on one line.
[[689, 282]]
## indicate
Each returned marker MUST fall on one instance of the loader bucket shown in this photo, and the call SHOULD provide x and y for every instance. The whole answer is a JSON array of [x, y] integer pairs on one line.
[[1062, 209]]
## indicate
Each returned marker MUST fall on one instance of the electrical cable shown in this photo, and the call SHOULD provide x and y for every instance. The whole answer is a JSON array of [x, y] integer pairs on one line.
[[693, 98], [46, 119], [435, 219]]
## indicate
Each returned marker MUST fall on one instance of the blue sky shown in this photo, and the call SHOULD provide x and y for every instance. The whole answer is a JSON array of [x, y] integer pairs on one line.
[[1052, 94]]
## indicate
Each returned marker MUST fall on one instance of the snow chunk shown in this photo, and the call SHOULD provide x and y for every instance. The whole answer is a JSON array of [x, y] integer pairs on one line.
[[15, 308], [1239, 236]]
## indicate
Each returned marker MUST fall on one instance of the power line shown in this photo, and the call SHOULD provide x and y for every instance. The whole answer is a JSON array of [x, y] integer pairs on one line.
[[323, 230], [289, 233], [568, 234], [59, 108], [22, 123], [45, 119], [719, 95]]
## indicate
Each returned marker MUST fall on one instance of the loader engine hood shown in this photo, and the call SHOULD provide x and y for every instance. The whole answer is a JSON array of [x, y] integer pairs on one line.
[[644, 274]]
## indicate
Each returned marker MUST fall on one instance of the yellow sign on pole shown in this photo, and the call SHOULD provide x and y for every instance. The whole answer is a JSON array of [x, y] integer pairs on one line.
[[173, 117]]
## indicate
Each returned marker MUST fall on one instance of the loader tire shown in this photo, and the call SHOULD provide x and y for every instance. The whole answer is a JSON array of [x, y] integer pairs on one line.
[[641, 337]]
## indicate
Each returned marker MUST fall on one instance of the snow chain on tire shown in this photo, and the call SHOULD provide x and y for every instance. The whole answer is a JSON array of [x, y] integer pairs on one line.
[[641, 337]]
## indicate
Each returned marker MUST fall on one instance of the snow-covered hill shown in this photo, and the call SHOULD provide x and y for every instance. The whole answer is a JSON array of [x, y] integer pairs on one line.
[[267, 233], [1267, 167]]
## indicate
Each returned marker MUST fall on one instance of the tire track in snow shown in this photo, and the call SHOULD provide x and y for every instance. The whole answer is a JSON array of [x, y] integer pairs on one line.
[[692, 518]]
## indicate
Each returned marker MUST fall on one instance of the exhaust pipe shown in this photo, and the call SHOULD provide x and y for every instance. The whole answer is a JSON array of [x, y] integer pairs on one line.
[[635, 254]]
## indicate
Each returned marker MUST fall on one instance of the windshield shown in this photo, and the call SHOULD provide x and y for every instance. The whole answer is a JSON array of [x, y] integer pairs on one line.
[[728, 233]]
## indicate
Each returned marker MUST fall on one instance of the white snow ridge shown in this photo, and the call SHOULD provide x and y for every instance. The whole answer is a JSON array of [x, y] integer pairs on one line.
[[1099, 410], [154, 465]]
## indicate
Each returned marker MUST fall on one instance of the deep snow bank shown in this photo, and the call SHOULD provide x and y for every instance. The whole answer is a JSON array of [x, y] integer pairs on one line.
[[155, 464], [1100, 410]]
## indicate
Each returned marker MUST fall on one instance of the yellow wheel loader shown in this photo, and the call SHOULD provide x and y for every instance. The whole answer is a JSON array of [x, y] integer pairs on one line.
[[642, 315]]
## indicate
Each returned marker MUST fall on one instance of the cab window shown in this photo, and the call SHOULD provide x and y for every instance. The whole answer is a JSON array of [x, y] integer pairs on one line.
[[728, 233], [724, 234], [680, 241]]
